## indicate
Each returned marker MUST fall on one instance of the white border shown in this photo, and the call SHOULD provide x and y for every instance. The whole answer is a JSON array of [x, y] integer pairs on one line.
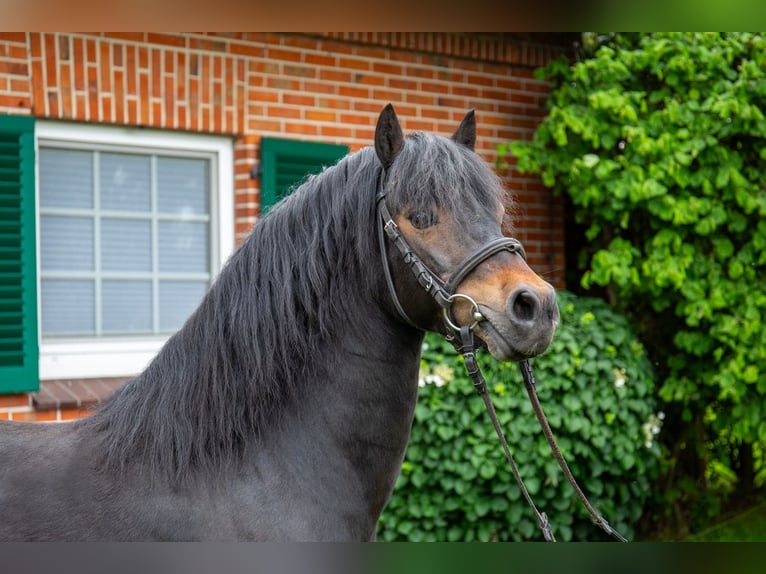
[[122, 357]]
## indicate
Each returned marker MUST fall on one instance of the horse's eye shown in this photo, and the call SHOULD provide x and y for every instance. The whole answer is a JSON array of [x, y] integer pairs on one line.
[[423, 219]]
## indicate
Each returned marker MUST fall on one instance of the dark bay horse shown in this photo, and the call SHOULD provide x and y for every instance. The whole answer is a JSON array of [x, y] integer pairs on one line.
[[282, 409]]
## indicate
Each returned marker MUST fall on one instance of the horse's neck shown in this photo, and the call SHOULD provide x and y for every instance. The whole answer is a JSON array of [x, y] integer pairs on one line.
[[355, 423]]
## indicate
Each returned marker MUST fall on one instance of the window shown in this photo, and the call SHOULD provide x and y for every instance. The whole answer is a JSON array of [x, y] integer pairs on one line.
[[133, 226], [124, 241], [286, 162]]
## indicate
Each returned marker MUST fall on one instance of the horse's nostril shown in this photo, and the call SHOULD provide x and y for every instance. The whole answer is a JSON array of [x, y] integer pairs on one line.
[[524, 305]]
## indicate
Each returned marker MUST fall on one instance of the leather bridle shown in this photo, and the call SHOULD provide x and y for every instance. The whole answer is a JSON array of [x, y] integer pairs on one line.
[[445, 293]]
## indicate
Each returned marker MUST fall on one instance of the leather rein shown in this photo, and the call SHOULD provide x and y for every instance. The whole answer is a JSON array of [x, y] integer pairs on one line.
[[445, 294]]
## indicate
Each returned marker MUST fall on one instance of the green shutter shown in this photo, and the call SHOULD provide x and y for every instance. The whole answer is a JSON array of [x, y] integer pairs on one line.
[[285, 163], [18, 280]]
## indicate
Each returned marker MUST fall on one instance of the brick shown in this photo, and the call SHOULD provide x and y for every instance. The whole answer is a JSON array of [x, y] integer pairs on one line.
[[385, 95], [420, 99], [435, 88], [335, 76], [73, 414], [298, 99], [35, 416], [353, 63], [402, 84], [105, 68], [369, 79], [18, 85], [175, 40], [336, 47], [323, 88], [280, 83], [15, 102], [370, 106], [168, 62], [132, 113], [264, 125], [385, 68], [319, 59], [262, 37], [354, 92], [13, 68], [477, 80], [156, 77], [65, 74], [285, 55], [373, 53], [78, 58], [435, 113], [36, 44], [18, 37], [119, 96], [320, 116], [106, 109], [336, 131], [14, 52], [129, 36], [356, 119], [283, 112], [14, 400], [156, 118], [50, 61], [299, 42], [301, 128], [299, 71], [91, 51], [419, 72], [143, 57], [214, 45]]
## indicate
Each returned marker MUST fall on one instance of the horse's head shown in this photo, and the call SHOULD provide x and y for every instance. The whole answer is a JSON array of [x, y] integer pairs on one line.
[[448, 207]]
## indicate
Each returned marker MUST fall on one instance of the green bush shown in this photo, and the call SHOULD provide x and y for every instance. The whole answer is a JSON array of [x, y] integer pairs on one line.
[[659, 141], [595, 385]]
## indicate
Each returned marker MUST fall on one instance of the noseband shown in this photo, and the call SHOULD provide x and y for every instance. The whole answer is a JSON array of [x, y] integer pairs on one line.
[[443, 292]]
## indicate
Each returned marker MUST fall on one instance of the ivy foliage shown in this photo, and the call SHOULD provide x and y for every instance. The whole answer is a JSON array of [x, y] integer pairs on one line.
[[660, 140], [595, 384]]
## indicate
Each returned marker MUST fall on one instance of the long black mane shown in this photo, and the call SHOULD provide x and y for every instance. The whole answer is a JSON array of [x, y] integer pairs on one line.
[[261, 331]]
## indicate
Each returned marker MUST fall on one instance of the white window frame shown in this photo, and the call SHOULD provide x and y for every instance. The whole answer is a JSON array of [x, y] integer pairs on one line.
[[81, 357]]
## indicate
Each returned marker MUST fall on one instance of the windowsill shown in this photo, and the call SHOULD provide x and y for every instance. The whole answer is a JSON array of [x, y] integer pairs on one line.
[[74, 393], [96, 358]]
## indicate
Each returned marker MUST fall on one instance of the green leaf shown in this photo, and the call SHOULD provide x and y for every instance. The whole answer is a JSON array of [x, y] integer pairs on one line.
[[590, 160]]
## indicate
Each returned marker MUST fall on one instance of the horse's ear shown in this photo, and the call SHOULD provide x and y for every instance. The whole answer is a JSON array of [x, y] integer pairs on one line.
[[388, 136], [466, 131]]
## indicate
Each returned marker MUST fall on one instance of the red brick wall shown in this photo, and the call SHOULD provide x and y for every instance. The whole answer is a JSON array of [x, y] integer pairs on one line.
[[324, 87]]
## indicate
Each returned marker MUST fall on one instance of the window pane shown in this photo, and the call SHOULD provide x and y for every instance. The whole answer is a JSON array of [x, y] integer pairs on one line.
[[67, 307], [183, 247], [126, 245], [125, 182], [126, 306], [66, 243], [178, 299], [66, 178], [182, 186]]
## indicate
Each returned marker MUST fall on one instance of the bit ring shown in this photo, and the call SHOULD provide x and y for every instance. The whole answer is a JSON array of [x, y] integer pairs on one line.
[[477, 316]]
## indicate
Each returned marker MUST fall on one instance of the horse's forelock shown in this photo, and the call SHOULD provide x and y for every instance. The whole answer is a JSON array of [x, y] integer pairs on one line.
[[433, 171]]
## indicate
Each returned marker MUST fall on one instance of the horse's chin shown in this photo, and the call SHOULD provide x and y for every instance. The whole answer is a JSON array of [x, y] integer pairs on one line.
[[504, 344]]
